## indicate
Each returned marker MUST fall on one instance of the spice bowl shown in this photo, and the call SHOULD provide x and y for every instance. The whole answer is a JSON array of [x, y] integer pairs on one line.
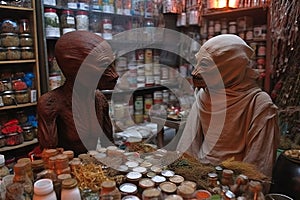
[[202, 195]]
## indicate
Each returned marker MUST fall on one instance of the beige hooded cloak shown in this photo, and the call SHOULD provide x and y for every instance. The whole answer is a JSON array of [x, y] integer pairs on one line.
[[232, 116]]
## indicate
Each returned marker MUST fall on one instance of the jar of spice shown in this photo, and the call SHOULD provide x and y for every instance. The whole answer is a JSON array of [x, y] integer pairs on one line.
[[107, 28], [227, 177], [109, 189], [51, 23], [82, 20], [232, 29], [67, 21], [5, 85], [9, 26], [37, 167], [8, 98], [3, 53], [13, 139], [2, 141], [62, 164], [28, 133], [25, 40], [10, 40], [27, 53], [151, 193], [22, 96], [13, 53]]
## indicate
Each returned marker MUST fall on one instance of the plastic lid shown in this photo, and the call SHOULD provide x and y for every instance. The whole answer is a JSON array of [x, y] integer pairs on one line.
[[43, 186], [69, 183], [2, 159], [82, 13], [70, 12], [50, 10]]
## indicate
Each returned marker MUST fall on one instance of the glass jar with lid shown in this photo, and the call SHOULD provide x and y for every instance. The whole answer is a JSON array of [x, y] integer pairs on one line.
[[8, 98], [109, 189], [13, 139], [9, 26], [10, 40], [28, 133], [25, 40], [27, 53], [2, 140], [51, 23], [82, 20], [67, 21], [22, 96], [24, 26], [3, 53], [13, 53]]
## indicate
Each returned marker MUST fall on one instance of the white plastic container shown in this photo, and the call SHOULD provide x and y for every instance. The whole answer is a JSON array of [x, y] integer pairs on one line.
[[70, 190], [43, 190]]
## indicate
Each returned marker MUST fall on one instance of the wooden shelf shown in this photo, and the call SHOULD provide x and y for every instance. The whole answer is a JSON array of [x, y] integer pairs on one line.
[[24, 144], [15, 8], [18, 106], [17, 61], [235, 11]]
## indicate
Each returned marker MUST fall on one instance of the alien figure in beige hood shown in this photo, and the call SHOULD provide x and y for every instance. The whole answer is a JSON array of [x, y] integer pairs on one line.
[[232, 116]]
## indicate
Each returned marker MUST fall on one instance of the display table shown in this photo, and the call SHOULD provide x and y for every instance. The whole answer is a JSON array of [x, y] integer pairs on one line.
[[177, 125]]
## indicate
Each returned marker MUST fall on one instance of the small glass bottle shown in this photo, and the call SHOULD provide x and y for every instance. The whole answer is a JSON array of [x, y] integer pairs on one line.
[[227, 177], [3, 169], [20, 176], [67, 21], [37, 167], [109, 190], [70, 190], [212, 180], [43, 190]]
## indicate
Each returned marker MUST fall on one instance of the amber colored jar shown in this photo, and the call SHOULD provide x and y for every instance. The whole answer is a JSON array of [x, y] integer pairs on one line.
[[109, 189], [212, 180], [227, 177], [28, 168], [19, 172], [37, 167], [69, 154], [151, 193], [47, 153], [62, 164], [24, 26], [13, 139]]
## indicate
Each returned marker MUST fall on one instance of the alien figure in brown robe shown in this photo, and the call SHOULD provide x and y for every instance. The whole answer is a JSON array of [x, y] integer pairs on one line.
[[69, 116]]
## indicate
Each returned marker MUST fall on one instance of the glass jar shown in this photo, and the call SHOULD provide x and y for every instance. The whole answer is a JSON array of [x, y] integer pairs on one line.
[[62, 164], [37, 167], [18, 84], [82, 20], [4, 171], [24, 26], [106, 28], [227, 177], [70, 190], [22, 96], [9, 26], [67, 21], [5, 85], [151, 193], [51, 23], [72, 4], [28, 133], [232, 28], [2, 141], [109, 189], [21, 116], [10, 40], [13, 53], [27, 53], [8, 98], [25, 40], [44, 190], [13, 139], [2, 53]]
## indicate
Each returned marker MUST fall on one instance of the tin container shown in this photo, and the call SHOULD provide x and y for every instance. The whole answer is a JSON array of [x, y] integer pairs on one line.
[[8, 98], [128, 189], [28, 133]]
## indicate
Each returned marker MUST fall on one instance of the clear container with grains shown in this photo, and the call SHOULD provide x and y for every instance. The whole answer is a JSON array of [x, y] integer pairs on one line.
[[13, 53], [27, 53], [9, 26], [51, 23], [22, 96], [3, 53], [13, 139], [8, 98], [67, 21], [28, 133], [25, 40], [82, 20], [5, 84], [2, 140], [10, 40]]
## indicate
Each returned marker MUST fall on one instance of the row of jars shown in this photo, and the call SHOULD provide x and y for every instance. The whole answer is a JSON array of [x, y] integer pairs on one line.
[[10, 97], [13, 139], [20, 26], [16, 53]]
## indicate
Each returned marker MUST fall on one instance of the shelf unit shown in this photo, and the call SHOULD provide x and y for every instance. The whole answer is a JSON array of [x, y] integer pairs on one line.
[[12, 66], [260, 16]]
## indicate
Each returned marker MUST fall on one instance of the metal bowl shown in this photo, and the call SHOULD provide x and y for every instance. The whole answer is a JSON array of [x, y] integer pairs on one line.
[[274, 196]]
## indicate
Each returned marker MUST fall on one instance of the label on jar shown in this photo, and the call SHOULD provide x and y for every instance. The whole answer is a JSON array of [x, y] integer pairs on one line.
[[70, 20], [107, 36], [33, 96], [50, 2], [67, 30], [107, 26], [54, 81], [52, 32], [72, 5]]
